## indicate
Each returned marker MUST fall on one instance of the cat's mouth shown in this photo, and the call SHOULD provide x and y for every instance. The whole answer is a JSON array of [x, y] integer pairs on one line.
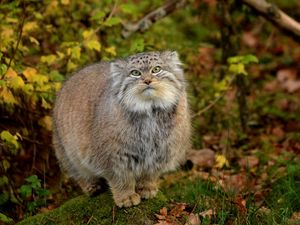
[[148, 91]]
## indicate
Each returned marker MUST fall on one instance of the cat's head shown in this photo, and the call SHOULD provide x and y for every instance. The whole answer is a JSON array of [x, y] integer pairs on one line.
[[147, 80]]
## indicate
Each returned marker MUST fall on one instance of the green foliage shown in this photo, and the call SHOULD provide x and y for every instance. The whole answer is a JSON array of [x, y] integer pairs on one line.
[[237, 64], [33, 195], [61, 36]]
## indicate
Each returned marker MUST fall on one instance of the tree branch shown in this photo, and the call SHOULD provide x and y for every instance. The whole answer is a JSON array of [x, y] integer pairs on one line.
[[145, 23], [272, 13]]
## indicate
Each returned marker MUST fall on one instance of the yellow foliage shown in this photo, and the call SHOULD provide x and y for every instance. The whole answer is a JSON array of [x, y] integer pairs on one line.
[[10, 73], [75, 52], [33, 77], [45, 104], [28, 88], [221, 161], [29, 73], [30, 26], [71, 66], [9, 138], [57, 86], [93, 45], [46, 122], [88, 34], [49, 59], [34, 41], [7, 33], [16, 82], [65, 2], [111, 50], [7, 96], [11, 20]]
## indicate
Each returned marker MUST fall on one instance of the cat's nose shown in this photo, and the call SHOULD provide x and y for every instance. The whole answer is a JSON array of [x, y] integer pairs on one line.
[[147, 81]]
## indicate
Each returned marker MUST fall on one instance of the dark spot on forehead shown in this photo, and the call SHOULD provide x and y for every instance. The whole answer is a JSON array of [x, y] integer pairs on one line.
[[144, 58]]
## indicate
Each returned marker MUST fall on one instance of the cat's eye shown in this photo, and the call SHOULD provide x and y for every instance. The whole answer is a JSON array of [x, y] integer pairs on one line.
[[156, 69], [135, 73]]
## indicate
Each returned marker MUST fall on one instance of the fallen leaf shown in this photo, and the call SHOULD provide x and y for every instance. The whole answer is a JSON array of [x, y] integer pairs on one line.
[[278, 132], [203, 158], [248, 161], [288, 80], [208, 213], [221, 161], [178, 210], [241, 205], [249, 39], [163, 214], [193, 219]]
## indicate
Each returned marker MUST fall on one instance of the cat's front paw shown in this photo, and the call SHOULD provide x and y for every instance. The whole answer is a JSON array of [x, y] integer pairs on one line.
[[147, 192], [129, 200]]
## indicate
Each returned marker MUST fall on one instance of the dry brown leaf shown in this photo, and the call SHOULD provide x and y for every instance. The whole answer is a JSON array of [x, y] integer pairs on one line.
[[249, 39], [178, 210], [288, 80], [241, 205], [193, 219], [278, 132], [204, 158], [295, 219], [249, 161], [209, 213], [163, 214], [271, 86]]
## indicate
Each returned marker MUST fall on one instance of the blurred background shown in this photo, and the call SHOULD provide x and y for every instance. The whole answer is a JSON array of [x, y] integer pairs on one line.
[[243, 83]]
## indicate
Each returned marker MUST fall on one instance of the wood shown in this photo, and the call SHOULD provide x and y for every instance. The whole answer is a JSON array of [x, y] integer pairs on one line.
[[145, 23], [272, 13]]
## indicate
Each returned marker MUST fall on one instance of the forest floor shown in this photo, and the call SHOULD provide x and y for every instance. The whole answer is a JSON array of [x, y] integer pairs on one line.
[[232, 176]]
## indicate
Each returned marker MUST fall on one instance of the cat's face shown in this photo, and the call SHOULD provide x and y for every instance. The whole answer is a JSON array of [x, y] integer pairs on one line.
[[146, 80]]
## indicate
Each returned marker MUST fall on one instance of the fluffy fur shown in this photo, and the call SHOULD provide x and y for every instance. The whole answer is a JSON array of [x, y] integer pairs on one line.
[[127, 129]]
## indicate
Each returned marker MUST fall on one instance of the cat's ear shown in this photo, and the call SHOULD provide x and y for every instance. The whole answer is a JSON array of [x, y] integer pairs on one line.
[[118, 66], [171, 57]]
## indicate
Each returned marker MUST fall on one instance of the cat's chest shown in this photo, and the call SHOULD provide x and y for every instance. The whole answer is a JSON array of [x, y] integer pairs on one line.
[[148, 146]]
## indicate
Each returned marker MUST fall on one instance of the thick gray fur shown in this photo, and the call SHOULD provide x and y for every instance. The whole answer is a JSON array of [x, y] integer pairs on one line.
[[126, 129]]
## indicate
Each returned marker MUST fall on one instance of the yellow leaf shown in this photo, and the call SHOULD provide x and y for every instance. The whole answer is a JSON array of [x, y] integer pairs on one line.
[[76, 52], [221, 161], [28, 88], [65, 2], [69, 51], [7, 33], [16, 82], [8, 97], [41, 79], [30, 73], [111, 50], [33, 77], [43, 87], [93, 44], [57, 86], [49, 59], [46, 122], [60, 55], [45, 104], [71, 66], [34, 41], [9, 138], [30, 26], [11, 20], [87, 34], [10, 73]]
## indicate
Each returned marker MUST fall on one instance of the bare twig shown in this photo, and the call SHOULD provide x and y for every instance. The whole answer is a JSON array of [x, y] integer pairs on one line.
[[211, 104], [144, 23], [272, 13], [19, 37]]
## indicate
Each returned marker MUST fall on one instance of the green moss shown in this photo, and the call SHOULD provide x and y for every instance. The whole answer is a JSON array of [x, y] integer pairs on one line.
[[99, 210]]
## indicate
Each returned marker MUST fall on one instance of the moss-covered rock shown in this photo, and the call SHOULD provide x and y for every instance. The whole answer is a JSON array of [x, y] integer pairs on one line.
[[99, 210]]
